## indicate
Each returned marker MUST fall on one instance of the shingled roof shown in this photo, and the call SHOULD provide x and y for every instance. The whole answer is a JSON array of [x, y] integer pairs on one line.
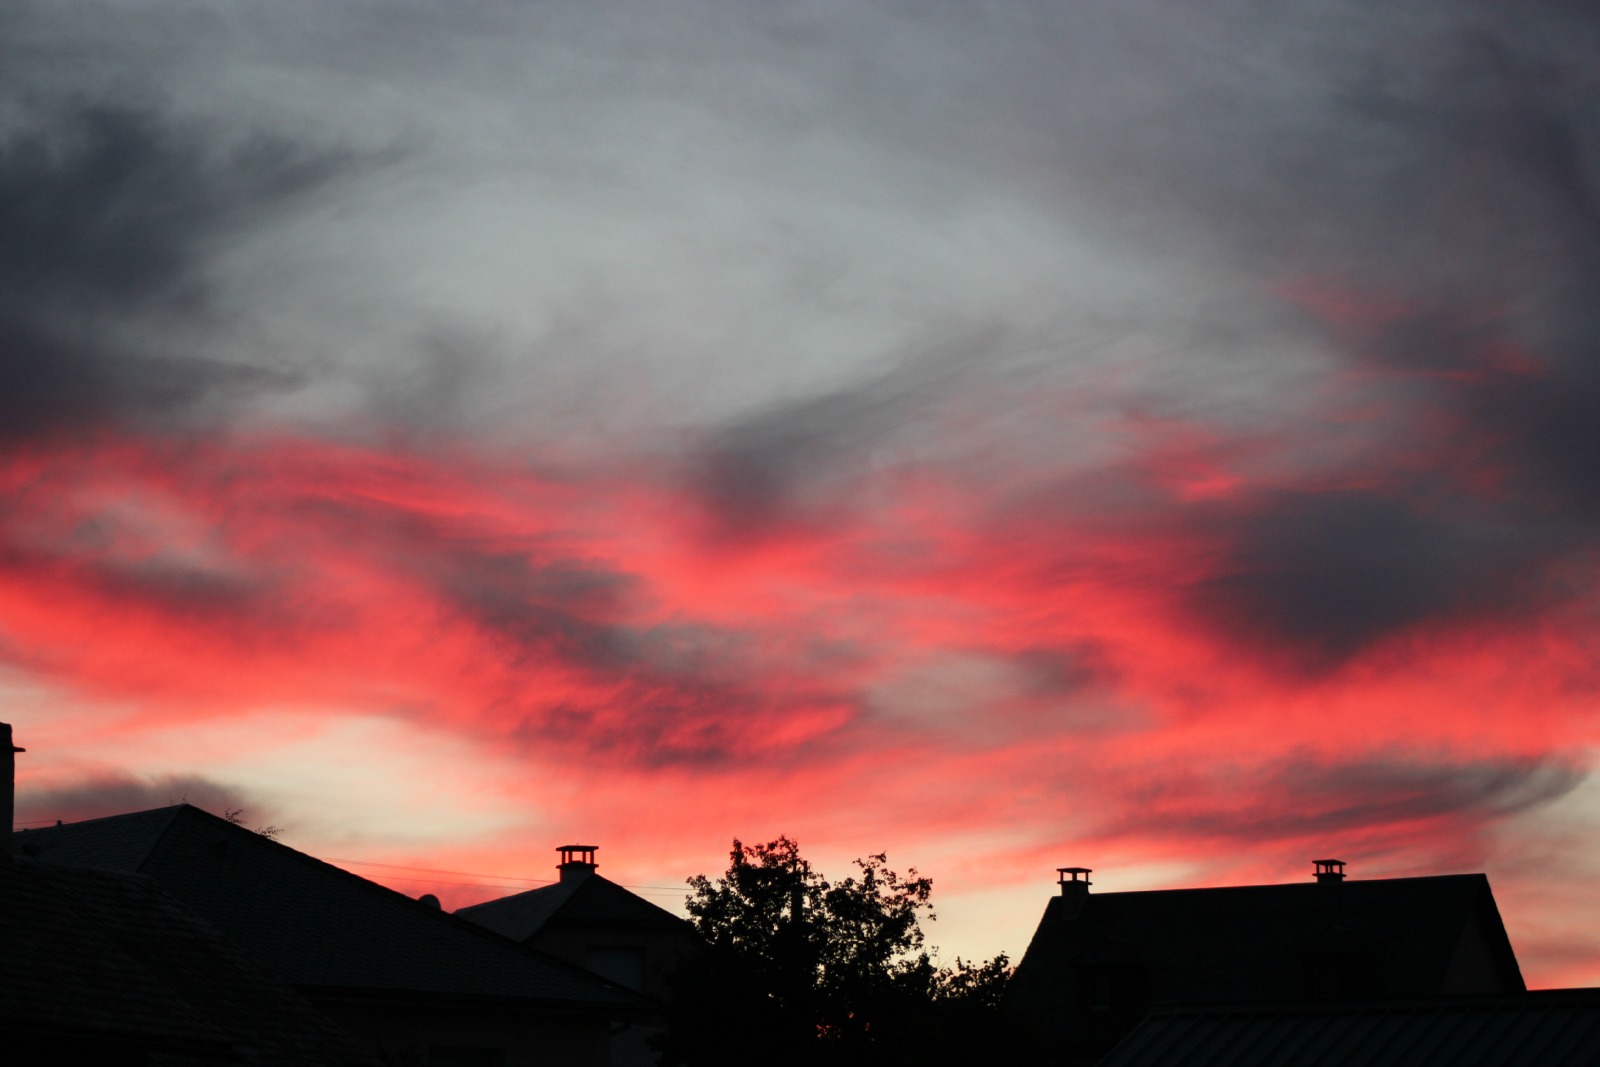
[[103, 967], [312, 924]]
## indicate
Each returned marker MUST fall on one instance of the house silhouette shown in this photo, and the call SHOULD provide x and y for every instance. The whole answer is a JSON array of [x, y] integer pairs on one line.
[[1099, 962], [403, 977], [587, 919], [103, 968]]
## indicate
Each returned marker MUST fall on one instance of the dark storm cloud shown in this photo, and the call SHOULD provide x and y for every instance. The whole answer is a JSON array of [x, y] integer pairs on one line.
[[116, 794], [1507, 325], [1301, 796], [107, 217], [1437, 172], [1317, 577]]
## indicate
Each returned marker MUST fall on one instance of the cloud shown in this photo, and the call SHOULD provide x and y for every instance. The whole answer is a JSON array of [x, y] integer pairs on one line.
[[907, 404], [1377, 803], [115, 793], [110, 214], [1323, 576]]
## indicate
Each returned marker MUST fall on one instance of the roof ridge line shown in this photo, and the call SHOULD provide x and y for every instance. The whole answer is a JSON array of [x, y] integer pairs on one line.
[[413, 902]]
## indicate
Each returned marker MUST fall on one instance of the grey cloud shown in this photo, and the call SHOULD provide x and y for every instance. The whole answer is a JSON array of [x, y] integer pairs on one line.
[[108, 215], [225, 594], [695, 694], [787, 461], [1055, 671], [1434, 155], [559, 609], [1315, 578], [1300, 797], [118, 793], [757, 473], [1437, 169], [658, 733]]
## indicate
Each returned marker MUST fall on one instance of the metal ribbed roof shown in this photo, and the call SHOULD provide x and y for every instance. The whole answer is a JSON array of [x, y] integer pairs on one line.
[[1548, 1028]]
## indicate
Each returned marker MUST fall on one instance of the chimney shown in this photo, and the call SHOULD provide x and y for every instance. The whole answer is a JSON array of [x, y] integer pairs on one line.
[[1329, 871], [582, 866], [9, 814], [1074, 882]]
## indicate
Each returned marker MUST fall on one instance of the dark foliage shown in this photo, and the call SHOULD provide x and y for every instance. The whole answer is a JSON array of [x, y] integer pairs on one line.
[[796, 969]]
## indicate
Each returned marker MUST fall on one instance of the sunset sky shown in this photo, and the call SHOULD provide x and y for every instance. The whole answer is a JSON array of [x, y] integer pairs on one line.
[[1145, 435]]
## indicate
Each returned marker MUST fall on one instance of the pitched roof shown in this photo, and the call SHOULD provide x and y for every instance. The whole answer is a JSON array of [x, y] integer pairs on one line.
[[586, 901], [93, 960], [312, 924], [1245, 943], [1554, 1028]]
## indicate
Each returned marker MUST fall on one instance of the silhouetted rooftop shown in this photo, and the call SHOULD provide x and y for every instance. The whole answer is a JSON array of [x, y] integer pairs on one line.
[[591, 899], [311, 923], [1100, 961], [95, 964], [1239, 943]]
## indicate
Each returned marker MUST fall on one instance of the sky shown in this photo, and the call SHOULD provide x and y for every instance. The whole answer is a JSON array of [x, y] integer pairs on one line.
[[1139, 435]]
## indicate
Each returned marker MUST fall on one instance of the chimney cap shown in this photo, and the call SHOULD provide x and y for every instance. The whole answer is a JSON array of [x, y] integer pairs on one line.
[[577, 861], [1328, 870], [1073, 879]]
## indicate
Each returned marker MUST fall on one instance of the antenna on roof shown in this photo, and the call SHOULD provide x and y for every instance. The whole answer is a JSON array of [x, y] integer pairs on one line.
[[9, 815]]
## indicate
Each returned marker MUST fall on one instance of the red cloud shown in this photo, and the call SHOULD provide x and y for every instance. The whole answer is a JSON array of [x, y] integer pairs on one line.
[[1054, 669]]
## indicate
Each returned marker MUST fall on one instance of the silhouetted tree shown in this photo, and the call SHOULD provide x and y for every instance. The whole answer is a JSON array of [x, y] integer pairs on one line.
[[796, 969]]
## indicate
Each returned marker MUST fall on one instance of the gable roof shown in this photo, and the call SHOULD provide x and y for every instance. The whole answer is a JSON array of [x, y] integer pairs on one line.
[[589, 900], [1244, 943], [103, 965], [1555, 1028], [313, 924]]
